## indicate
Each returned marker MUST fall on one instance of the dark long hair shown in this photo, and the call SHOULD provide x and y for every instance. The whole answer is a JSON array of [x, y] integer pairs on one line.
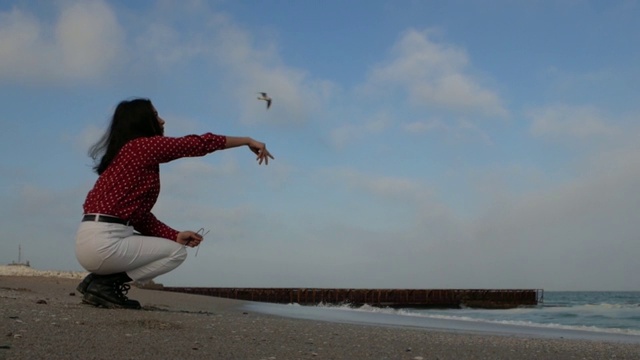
[[132, 119]]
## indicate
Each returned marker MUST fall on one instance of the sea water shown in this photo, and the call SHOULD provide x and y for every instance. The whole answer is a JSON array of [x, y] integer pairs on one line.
[[613, 312], [612, 316]]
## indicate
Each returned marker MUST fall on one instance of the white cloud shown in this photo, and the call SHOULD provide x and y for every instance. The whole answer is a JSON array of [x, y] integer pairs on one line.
[[434, 74], [19, 43], [382, 186], [570, 121], [560, 237], [467, 128], [460, 130], [345, 134], [87, 138], [89, 39], [296, 96], [200, 174], [564, 236], [166, 46], [84, 43], [246, 64], [419, 127]]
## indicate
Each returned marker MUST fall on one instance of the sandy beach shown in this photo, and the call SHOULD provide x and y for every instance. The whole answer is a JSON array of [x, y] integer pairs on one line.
[[42, 317]]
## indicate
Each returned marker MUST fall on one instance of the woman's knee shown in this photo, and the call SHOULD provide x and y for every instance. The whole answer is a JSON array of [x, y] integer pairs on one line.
[[180, 254]]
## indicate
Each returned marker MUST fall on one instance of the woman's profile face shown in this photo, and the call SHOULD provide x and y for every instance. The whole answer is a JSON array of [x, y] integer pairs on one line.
[[160, 120]]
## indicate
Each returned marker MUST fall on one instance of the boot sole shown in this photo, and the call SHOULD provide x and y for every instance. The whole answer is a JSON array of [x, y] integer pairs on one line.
[[100, 302]]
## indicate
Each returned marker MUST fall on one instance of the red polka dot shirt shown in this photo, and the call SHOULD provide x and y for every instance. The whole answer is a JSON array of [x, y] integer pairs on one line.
[[130, 185]]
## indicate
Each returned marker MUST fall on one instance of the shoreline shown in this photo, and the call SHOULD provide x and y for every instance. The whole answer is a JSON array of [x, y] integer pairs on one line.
[[440, 324], [42, 317]]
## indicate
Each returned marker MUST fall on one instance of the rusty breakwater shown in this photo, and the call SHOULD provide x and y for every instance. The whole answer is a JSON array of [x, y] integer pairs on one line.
[[395, 298]]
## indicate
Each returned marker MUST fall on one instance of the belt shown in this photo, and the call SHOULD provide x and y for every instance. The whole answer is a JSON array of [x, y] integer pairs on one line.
[[105, 219]]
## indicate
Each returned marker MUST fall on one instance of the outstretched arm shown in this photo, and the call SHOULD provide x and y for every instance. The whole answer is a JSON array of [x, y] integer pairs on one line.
[[257, 147]]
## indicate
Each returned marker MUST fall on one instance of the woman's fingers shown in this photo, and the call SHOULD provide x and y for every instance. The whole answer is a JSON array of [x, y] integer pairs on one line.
[[260, 149], [196, 239], [190, 238], [264, 155]]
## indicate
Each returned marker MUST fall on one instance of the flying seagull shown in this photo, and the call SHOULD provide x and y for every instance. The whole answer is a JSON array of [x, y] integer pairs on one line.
[[265, 97]]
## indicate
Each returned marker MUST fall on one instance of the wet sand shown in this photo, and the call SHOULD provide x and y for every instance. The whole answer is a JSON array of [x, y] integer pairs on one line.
[[43, 318]]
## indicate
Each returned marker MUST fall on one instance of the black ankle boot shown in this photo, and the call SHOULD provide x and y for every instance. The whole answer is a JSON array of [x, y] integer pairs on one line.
[[82, 287], [110, 291]]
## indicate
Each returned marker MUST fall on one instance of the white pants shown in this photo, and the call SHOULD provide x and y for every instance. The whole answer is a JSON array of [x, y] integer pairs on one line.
[[105, 248]]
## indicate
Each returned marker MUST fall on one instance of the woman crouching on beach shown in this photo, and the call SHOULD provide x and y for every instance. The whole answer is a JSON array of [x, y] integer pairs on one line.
[[127, 161]]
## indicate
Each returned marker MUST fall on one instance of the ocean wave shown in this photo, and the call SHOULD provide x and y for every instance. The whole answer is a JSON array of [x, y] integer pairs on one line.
[[526, 323]]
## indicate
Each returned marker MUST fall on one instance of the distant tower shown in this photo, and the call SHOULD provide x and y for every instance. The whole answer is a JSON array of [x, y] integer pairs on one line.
[[20, 258]]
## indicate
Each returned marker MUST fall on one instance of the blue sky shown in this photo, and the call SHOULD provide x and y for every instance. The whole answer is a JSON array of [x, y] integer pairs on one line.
[[425, 144]]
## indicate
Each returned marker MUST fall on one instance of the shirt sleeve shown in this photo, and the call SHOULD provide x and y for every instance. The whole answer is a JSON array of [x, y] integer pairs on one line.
[[163, 149], [149, 225]]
